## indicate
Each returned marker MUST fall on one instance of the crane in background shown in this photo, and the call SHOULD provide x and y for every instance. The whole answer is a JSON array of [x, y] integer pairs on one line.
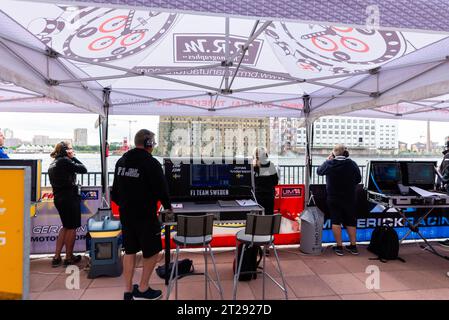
[[130, 122]]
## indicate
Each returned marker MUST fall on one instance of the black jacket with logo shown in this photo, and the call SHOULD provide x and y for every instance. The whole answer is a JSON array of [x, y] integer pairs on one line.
[[62, 173], [139, 183], [265, 179], [342, 176]]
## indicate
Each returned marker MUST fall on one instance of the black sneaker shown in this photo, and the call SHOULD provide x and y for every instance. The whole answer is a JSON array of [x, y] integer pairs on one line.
[[73, 260], [56, 262], [444, 243], [150, 294], [352, 249], [128, 296], [338, 250]]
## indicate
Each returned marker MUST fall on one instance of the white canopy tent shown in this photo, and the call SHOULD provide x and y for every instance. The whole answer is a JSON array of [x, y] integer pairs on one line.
[[119, 60]]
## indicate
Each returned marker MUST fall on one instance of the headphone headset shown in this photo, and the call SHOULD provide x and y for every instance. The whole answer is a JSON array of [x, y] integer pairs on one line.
[[64, 148], [148, 143]]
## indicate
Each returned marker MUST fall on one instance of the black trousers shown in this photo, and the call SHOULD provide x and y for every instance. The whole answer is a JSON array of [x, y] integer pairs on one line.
[[266, 201]]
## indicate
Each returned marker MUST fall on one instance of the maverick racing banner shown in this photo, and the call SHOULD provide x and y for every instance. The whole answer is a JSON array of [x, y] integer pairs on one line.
[[434, 226]]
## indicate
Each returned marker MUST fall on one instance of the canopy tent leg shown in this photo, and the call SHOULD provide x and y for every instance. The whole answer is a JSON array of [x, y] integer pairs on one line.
[[104, 150], [308, 155]]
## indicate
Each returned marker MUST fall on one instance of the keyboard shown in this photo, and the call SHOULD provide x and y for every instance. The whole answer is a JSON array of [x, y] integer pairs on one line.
[[205, 202], [228, 203]]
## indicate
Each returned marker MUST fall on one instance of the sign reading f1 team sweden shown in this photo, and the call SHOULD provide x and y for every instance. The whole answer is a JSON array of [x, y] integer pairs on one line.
[[14, 232]]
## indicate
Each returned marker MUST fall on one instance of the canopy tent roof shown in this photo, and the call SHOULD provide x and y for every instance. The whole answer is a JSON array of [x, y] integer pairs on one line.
[[28, 63], [429, 15], [170, 63]]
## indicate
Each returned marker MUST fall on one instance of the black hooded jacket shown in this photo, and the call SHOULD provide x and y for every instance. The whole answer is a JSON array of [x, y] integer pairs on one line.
[[139, 183], [342, 176], [62, 173], [445, 162]]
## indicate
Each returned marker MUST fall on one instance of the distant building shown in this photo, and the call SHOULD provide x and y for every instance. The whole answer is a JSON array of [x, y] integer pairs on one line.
[[80, 137], [212, 136], [284, 134], [418, 147], [352, 132], [42, 140], [13, 142], [402, 146], [8, 133]]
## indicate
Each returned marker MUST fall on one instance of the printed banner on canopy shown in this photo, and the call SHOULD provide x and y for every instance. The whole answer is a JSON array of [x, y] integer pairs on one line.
[[430, 15]]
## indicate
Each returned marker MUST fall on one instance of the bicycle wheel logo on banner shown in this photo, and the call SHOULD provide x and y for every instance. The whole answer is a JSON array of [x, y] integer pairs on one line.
[[334, 50], [102, 34]]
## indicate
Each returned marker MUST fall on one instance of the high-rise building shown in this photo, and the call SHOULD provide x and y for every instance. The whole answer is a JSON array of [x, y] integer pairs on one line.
[[284, 134], [353, 132], [80, 137], [212, 136], [8, 133], [42, 140]]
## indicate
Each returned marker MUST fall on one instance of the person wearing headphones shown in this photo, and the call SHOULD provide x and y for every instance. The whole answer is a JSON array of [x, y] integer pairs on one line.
[[265, 179], [342, 176], [139, 183], [3, 155], [67, 199], [444, 171]]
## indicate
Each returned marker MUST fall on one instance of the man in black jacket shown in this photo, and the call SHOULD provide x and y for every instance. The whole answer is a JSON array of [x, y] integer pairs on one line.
[[342, 176], [444, 170], [139, 183]]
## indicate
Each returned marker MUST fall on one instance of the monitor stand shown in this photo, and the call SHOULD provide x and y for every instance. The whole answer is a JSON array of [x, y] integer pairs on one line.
[[403, 189]]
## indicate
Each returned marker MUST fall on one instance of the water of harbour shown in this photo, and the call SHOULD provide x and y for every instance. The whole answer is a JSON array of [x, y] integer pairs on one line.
[[93, 163]]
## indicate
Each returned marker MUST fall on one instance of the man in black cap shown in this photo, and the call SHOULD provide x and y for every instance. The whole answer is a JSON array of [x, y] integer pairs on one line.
[[139, 183]]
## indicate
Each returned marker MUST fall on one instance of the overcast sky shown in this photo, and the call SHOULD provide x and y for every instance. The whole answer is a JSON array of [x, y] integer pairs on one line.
[[26, 125]]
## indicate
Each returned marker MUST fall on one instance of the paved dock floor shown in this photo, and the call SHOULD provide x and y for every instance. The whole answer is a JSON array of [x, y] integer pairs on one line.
[[423, 276]]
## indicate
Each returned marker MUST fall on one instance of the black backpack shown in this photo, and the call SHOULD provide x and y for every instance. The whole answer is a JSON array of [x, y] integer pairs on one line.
[[185, 267], [385, 244], [251, 260]]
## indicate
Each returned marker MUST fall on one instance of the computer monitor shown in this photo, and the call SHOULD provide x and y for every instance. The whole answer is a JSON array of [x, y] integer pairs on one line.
[[208, 179], [386, 172], [210, 175], [36, 172], [384, 175], [421, 174]]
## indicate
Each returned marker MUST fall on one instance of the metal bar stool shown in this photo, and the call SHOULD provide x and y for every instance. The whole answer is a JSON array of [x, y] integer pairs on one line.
[[259, 231], [194, 231]]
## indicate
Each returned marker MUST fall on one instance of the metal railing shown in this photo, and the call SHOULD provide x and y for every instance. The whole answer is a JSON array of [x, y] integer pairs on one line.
[[289, 174]]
